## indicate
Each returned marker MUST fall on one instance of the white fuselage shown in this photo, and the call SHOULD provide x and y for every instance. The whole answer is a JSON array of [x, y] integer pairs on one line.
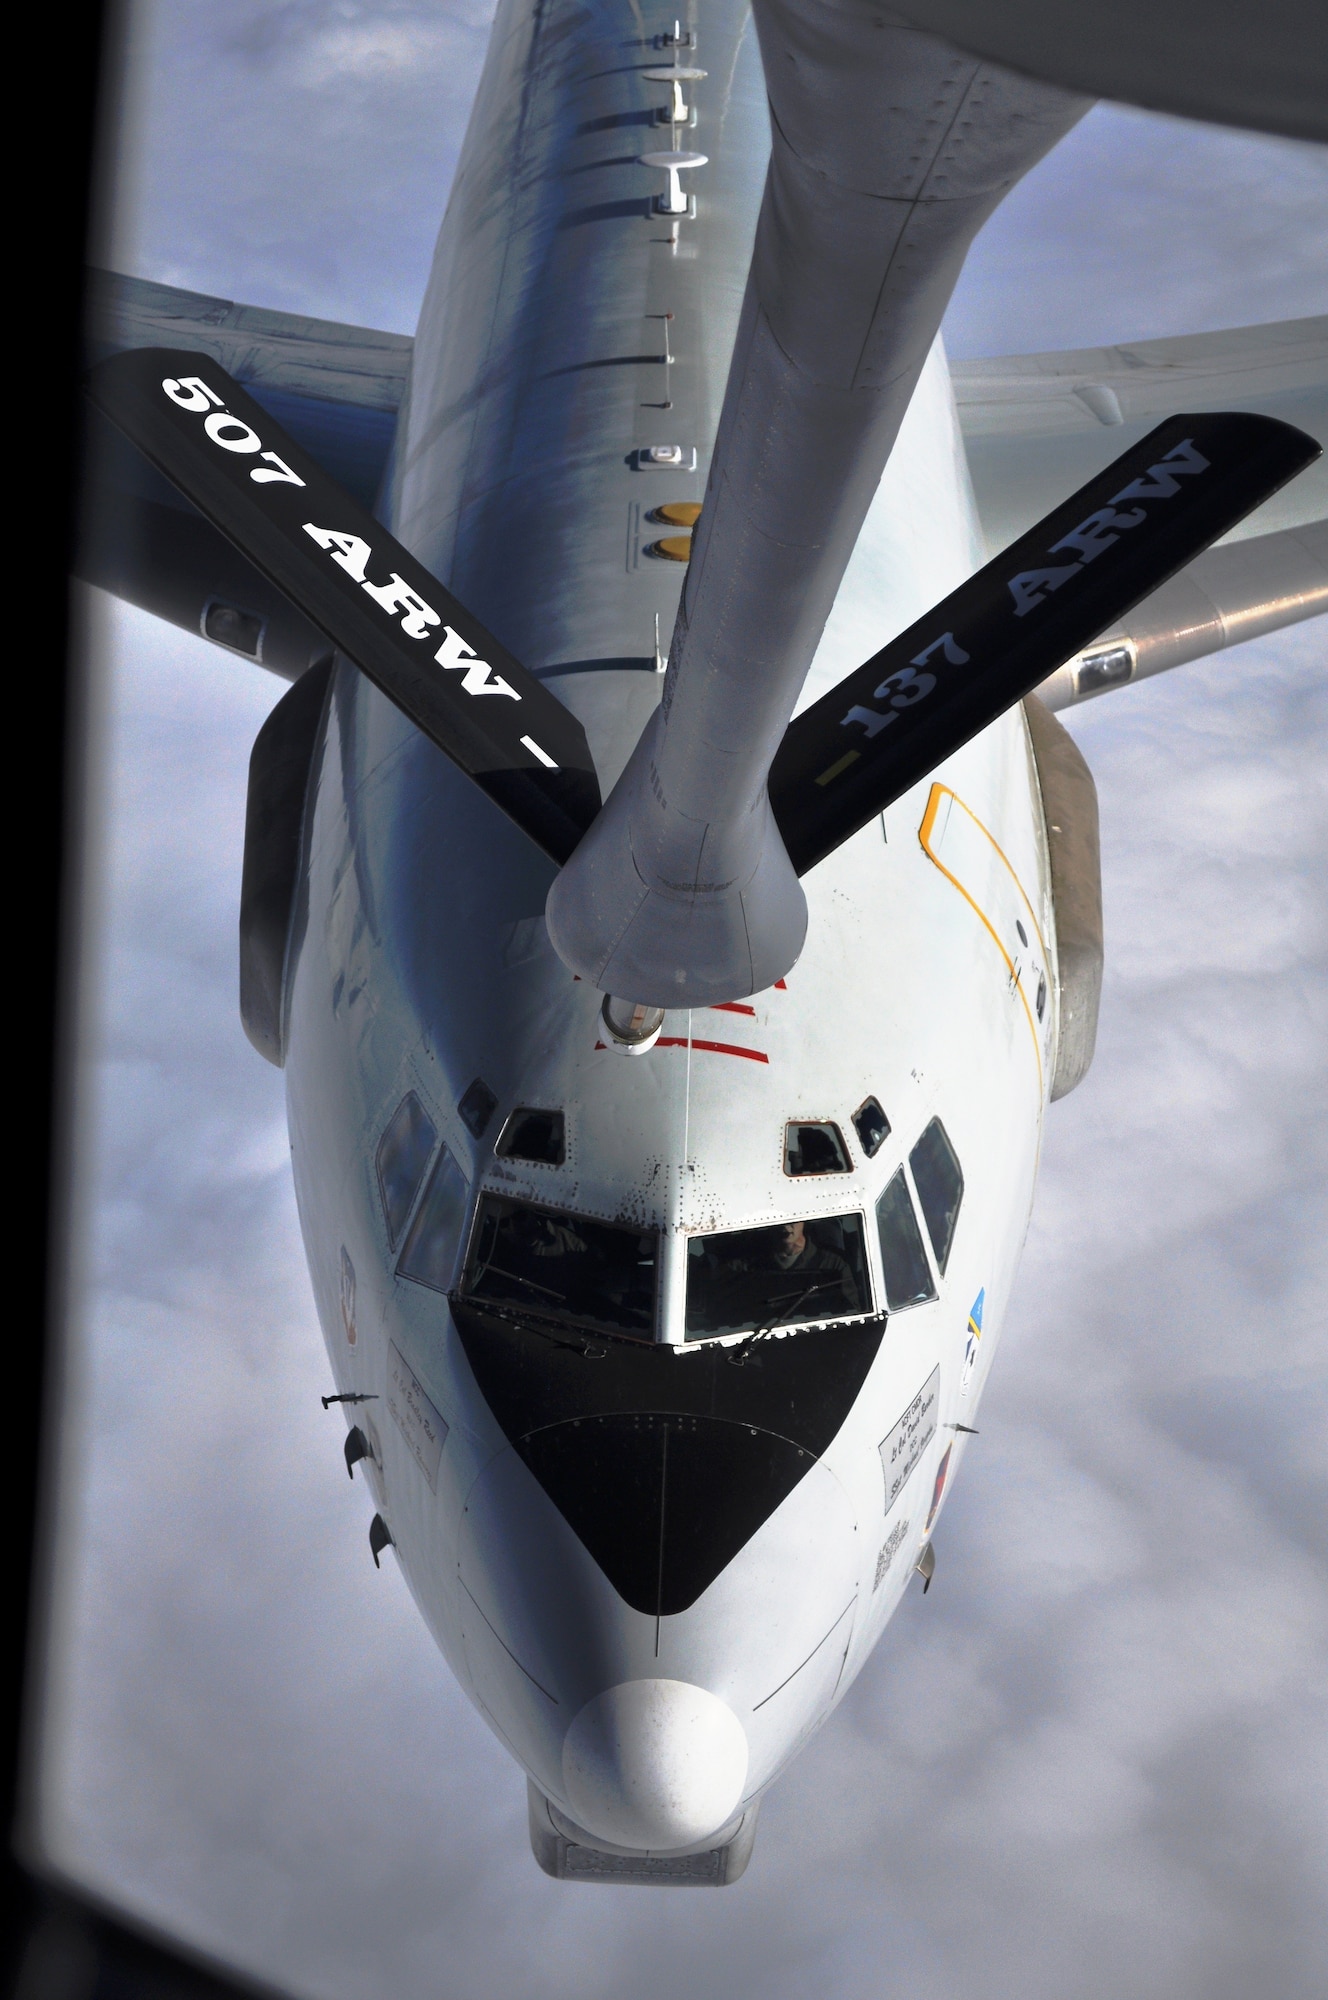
[[420, 962]]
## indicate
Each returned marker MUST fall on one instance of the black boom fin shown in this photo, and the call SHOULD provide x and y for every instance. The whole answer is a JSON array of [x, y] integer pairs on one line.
[[347, 574], [1039, 603]]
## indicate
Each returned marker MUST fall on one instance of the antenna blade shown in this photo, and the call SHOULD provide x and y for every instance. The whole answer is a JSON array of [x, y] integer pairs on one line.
[[374, 601], [1038, 604]]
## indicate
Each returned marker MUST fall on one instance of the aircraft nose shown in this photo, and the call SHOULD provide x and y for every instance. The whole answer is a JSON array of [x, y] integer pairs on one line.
[[655, 1764]]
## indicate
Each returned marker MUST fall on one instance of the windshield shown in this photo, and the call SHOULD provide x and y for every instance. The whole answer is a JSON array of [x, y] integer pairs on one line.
[[592, 1272], [746, 1279]]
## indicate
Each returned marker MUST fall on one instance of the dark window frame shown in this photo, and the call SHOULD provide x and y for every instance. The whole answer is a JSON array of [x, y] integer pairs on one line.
[[462, 1291], [868, 1310], [476, 1106], [922, 1298], [869, 1153], [825, 1173], [502, 1146], [941, 1255], [395, 1237], [443, 1155]]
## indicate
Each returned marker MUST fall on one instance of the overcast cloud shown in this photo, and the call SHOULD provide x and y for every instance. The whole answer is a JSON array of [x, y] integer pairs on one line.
[[1091, 1762]]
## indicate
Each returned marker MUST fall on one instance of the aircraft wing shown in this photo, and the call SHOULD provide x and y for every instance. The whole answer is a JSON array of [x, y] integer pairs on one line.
[[1037, 426], [335, 389]]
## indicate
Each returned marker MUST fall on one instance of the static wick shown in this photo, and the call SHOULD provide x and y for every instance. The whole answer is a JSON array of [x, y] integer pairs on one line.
[[348, 1397]]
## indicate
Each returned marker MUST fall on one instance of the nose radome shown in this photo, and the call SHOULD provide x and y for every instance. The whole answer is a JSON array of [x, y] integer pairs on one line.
[[654, 1764]]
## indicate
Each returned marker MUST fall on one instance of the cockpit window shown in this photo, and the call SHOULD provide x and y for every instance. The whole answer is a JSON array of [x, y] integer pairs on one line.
[[477, 1105], [403, 1154], [534, 1135], [908, 1279], [940, 1184], [595, 1273], [814, 1149], [431, 1247], [872, 1126], [747, 1279]]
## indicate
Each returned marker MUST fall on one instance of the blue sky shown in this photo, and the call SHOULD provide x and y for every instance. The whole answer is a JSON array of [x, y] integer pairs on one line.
[[1091, 1762]]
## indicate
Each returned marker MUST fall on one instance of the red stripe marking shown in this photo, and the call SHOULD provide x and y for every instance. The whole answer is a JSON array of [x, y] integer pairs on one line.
[[732, 1007], [781, 986], [714, 1048]]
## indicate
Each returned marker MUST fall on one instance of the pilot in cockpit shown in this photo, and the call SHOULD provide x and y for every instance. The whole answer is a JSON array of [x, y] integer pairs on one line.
[[827, 1268], [540, 1235]]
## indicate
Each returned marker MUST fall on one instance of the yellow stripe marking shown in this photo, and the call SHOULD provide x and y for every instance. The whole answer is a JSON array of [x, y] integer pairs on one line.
[[849, 757], [939, 793]]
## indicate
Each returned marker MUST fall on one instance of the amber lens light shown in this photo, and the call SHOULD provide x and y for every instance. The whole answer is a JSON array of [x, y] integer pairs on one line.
[[672, 548]]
